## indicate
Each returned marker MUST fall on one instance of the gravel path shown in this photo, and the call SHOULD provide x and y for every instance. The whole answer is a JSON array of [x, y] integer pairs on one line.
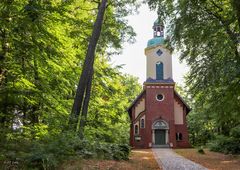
[[169, 160]]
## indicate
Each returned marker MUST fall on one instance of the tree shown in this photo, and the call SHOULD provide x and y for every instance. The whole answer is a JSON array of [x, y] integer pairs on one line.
[[207, 34], [84, 86], [81, 101], [42, 49]]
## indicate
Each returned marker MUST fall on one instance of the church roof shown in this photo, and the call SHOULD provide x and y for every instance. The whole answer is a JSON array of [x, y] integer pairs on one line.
[[150, 80], [134, 101], [157, 22], [155, 41], [181, 99]]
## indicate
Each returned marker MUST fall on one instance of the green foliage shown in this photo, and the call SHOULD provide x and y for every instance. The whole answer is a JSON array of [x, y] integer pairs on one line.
[[201, 151], [51, 150], [226, 144], [206, 32], [42, 46]]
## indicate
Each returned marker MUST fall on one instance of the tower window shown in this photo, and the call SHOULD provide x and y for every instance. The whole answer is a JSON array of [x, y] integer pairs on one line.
[[136, 129], [159, 71], [178, 136], [142, 123], [159, 52]]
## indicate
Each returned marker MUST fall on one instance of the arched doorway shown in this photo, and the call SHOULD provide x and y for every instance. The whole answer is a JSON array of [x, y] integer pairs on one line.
[[160, 132]]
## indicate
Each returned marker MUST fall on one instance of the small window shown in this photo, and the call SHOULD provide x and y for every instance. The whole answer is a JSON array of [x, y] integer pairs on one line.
[[136, 129], [160, 97], [142, 123], [178, 136], [159, 52]]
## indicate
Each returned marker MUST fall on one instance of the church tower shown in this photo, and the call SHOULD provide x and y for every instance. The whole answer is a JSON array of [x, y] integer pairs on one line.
[[158, 114], [159, 59]]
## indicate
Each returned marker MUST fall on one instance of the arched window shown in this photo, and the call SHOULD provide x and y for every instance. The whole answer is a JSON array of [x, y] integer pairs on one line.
[[136, 129], [142, 123], [159, 71]]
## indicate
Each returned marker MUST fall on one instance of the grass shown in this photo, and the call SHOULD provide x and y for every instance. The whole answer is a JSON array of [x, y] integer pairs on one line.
[[211, 160], [140, 159]]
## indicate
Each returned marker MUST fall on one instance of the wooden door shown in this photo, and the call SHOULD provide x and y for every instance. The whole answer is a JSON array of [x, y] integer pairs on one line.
[[160, 138]]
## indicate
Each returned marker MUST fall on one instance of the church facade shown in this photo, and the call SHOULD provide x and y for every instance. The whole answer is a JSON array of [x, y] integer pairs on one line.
[[158, 114]]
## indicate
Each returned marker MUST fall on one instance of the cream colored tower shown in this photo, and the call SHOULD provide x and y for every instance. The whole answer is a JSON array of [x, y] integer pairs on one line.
[[159, 58]]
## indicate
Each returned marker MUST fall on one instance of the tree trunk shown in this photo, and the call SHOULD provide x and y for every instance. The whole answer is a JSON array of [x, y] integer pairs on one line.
[[236, 5], [85, 106], [87, 67]]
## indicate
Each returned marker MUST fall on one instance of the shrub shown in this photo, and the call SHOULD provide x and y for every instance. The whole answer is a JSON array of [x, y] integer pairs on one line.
[[49, 151], [225, 144], [201, 151]]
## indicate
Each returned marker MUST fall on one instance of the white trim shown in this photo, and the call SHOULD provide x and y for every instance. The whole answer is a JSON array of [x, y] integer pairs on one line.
[[166, 135], [162, 98], [160, 120], [153, 136]]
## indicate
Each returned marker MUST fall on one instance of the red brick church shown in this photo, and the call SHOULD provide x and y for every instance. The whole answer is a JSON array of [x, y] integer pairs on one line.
[[158, 114]]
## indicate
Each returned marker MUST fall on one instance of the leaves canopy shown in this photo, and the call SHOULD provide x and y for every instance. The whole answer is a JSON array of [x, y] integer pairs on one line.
[[207, 32], [42, 46]]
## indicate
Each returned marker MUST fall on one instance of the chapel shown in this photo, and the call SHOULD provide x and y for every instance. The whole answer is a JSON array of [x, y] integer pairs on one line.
[[158, 114]]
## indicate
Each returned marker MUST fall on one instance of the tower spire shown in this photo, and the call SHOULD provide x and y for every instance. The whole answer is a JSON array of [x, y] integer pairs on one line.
[[158, 34], [158, 29]]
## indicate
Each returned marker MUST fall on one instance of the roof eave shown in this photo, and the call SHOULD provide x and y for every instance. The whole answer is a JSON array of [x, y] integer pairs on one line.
[[187, 106], [135, 100]]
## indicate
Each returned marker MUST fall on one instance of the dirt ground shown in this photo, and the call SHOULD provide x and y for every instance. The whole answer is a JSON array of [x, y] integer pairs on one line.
[[141, 159], [211, 160]]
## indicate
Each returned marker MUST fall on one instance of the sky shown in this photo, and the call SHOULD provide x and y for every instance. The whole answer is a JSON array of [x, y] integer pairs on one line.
[[133, 56]]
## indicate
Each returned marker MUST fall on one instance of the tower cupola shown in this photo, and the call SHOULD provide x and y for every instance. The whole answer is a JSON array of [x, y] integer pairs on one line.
[[158, 29], [158, 34]]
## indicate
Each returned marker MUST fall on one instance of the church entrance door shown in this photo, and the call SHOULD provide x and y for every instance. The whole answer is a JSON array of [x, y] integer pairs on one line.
[[160, 138]]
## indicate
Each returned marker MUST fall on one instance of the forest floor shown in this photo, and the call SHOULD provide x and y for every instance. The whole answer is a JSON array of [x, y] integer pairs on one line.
[[140, 159], [211, 160]]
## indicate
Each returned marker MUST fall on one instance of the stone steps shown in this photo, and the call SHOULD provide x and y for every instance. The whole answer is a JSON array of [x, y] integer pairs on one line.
[[161, 146]]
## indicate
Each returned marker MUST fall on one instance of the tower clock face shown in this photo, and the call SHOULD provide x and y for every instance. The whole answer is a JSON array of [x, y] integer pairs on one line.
[[159, 52]]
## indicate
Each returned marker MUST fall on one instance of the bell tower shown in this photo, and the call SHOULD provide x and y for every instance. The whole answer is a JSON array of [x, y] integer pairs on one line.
[[159, 58]]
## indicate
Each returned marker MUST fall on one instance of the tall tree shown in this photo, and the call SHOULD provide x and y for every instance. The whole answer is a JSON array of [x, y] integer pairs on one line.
[[84, 86], [207, 34], [80, 105]]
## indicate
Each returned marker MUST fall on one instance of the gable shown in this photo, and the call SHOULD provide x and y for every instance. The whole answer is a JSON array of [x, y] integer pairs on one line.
[[180, 100], [140, 107], [135, 103], [178, 112]]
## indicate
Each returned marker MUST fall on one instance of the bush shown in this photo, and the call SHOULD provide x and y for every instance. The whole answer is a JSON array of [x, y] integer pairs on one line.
[[120, 152], [49, 151], [104, 150], [224, 144], [201, 151]]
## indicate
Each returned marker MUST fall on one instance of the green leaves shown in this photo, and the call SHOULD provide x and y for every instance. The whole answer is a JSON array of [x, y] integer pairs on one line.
[[42, 47], [206, 31]]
